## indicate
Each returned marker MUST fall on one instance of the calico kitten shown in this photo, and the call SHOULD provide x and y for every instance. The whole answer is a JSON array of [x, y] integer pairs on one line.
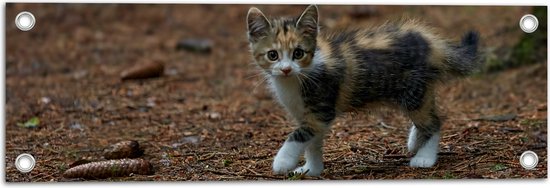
[[318, 75]]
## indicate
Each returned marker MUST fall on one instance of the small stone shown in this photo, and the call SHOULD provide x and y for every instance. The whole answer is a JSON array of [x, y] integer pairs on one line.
[[45, 100], [80, 74], [191, 139], [214, 115], [77, 126], [165, 162], [195, 45], [242, 120], [151, 102], [185, 140], [172, 72]]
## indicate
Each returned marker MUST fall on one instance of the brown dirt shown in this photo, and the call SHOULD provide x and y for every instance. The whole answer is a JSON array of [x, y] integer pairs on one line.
[[209, 118]]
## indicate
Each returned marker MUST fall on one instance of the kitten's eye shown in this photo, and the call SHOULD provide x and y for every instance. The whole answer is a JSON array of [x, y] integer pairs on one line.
[[272, 55], [298, 54]]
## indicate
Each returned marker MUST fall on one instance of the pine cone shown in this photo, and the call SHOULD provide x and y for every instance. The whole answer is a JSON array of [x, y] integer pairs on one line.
[[124, 149], [111, 168]]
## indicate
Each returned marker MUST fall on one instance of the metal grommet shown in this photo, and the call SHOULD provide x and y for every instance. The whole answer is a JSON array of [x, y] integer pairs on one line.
[[25, 162], [529, 160], [25, 21], [528, 23]]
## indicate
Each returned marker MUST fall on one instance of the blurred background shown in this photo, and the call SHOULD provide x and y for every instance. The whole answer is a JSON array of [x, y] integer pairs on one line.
[[179, 79]]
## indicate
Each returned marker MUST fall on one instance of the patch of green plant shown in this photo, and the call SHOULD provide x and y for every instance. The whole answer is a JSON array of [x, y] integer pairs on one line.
[[115, 170], [296, 176], [524, 51], [523, 139], [498, 167], [166, 121], [448, 175], [31, 123], [494, 64], [533, 122], [72, 153], [62, 167], [226, 162]]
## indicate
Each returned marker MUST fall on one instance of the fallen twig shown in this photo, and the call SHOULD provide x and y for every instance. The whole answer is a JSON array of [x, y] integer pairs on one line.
[[249, 175], [395, 156]]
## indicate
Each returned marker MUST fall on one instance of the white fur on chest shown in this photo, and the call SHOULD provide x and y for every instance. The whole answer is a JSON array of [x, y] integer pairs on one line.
[[288, 93]]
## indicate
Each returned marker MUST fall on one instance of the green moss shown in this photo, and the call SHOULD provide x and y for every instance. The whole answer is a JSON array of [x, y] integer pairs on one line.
[[533, 122], [226, 162], [449, 175], [62, 167], [296, 176], [115, 170], [494, 64], [524, 52], [498, 167], [524, 139]]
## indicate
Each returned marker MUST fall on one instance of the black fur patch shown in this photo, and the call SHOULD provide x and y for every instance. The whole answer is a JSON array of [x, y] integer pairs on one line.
[[320, 91], [463, 59], [343, 38], [302, 134], [399, 74]]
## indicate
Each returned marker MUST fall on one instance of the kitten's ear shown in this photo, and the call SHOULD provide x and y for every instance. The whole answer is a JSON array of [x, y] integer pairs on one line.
[[308, 21], [258, 25]]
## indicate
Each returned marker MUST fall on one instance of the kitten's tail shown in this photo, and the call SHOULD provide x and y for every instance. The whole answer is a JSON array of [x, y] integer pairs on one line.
[[462, 60]]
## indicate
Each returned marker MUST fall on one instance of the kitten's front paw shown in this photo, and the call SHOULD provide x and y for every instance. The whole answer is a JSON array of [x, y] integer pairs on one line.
[[423, 161], [283, 164], [311, 171]]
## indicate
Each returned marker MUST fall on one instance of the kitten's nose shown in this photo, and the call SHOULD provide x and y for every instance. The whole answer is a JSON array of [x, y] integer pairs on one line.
[[286, 70]]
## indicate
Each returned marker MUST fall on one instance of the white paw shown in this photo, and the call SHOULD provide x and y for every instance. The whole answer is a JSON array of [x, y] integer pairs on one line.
[[283, 164], [423, 161], [427, 154], [311, 171]]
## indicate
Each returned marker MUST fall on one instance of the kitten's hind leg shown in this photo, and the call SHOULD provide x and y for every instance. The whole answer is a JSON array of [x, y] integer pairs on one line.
[[424, 136], [428, 146]]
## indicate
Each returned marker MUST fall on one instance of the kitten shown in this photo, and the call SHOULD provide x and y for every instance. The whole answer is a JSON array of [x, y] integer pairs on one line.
[[318, 75]]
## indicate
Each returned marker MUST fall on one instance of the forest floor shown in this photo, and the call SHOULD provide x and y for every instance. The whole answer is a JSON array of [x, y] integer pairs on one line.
[[208, 117]]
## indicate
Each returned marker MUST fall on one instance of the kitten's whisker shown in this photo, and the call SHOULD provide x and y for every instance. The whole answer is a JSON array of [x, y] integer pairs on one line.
[[302, 82], [258, 84], [311, 79], [255, 75]]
